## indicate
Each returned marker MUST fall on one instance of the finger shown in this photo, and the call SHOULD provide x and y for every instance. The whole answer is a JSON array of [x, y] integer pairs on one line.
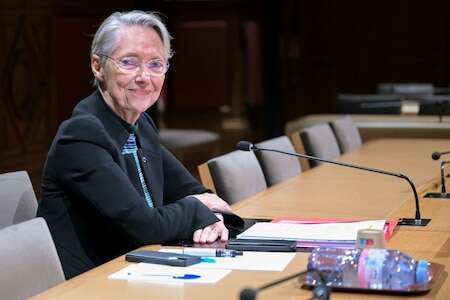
[[205, 233], [221, 204], [224, 234], [226, 207], [212, 237], [196, 236]]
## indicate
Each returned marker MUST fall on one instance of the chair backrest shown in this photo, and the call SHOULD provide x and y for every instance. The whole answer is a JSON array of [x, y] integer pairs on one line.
[[183, 138], [28, 260], [300, 148], [233, 176], [320, 141], [17, 199], [347, 134], [278, 167]]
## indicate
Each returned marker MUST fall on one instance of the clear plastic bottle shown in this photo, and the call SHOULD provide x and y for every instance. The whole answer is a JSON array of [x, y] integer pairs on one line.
[[367, 268]]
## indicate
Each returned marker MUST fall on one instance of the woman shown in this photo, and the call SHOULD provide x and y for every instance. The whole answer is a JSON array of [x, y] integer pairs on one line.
[[109, 186]]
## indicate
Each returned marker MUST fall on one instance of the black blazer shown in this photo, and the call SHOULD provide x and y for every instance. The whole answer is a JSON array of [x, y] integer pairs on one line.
[[93, 201]]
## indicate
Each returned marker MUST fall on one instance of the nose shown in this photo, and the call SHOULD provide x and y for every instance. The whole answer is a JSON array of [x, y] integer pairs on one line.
[[143, 72], [143, 77]]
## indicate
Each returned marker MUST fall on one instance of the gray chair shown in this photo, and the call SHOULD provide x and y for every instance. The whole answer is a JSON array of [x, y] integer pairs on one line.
[[233, 176], [347, 134], [175, 139], [278, 167], [17, 199], [28, 260], [191, 146], [320, 141]]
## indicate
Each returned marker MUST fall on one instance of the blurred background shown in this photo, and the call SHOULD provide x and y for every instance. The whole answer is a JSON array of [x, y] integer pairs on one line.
[[242, 69]]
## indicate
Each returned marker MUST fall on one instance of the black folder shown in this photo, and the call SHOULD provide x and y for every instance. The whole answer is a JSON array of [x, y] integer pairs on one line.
[[262, 245]]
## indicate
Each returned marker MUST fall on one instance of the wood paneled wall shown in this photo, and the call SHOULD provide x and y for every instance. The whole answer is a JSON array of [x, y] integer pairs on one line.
[[318, 49], [27, 98], [350, 46], [44, 72]]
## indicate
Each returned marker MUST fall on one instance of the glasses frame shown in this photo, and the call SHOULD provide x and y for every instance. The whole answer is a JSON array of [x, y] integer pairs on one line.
[[141, 64]]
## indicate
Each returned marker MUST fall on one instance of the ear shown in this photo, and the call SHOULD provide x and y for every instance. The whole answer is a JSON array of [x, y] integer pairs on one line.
[[96, 67]]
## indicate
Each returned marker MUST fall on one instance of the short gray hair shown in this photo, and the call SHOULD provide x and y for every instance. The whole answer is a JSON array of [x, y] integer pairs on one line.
[[104, 41]]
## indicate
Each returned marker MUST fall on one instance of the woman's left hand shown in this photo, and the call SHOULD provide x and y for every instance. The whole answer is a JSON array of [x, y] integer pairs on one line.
[[213, 202]]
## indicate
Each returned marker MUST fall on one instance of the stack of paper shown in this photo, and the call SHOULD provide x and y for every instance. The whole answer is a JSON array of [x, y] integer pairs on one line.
[[311, 235], [250, 260], [205, 272], [388, 229]]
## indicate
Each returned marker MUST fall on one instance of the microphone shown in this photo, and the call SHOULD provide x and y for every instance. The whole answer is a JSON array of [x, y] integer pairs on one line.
[[417, 221], [436, 155], [320, 291], [443, 194]]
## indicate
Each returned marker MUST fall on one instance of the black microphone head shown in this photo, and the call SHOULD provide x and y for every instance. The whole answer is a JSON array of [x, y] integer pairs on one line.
[[244, 146], [321, 292], [435, 155], [248, 294]]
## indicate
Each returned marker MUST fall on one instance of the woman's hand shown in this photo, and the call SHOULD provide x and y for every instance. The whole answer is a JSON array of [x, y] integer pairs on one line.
[[213, 202], [211, 233]]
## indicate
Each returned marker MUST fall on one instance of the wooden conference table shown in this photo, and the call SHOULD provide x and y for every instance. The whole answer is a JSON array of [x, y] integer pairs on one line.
[[325, 191]]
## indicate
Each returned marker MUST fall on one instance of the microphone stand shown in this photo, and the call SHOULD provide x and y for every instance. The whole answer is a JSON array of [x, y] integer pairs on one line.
[[417, 221], [320, 291], [443, 194], [442, 104], [436, 155]]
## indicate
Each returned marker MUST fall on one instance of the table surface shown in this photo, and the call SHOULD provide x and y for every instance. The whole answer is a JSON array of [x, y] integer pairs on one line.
[[325, 191]]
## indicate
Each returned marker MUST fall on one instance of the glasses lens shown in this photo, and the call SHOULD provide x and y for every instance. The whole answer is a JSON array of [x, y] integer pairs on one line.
[[128, 63], [132, 64], [157, 67]]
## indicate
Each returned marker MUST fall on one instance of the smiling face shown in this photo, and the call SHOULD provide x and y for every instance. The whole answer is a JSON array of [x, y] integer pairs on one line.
[[131, 93]]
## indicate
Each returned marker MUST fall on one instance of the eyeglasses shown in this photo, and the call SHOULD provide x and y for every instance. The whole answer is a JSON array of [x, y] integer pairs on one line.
[[130, 65]]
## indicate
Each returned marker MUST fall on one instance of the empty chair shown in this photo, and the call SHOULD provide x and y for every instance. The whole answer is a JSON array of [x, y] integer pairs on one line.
[[347, 134], [28, 260], [17, 199], [233, 176], [320, 141], [175, 139], [190, 146], [278, 167]]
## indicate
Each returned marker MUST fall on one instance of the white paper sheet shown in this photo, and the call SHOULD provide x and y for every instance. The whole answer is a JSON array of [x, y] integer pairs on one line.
[[309, 232], [251, 260], [164, 274]]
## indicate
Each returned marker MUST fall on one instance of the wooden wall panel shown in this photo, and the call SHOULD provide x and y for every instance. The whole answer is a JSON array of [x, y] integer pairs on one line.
[[44, 72], [27, 103], [351, 46], [200, 65], [74, 76]]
